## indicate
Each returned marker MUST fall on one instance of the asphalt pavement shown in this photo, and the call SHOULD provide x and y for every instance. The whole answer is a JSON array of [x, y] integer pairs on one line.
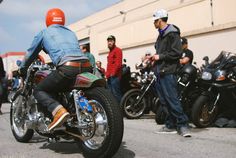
[[140, 141]]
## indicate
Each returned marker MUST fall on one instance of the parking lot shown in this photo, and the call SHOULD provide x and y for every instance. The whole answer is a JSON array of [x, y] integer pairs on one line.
[[139, 141]]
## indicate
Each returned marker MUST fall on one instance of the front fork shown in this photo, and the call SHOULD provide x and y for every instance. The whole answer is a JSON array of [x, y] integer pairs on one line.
[[215, 101], [145, 91]]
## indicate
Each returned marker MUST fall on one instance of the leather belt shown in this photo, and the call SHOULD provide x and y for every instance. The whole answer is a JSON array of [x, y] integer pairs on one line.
[[77, 64]]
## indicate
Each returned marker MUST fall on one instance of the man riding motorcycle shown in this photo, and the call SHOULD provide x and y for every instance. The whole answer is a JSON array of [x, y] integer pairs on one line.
[[62, 46]]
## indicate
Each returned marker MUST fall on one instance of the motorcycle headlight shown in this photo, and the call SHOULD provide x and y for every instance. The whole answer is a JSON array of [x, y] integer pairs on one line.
[[220, 75], [206, 76]]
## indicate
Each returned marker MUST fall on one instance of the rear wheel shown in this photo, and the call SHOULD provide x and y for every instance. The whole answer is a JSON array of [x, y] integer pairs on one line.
[[18, 118], [203, 112], [129, 105], [109, 125]]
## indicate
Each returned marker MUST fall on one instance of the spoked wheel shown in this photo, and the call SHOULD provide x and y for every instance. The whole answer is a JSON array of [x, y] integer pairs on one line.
[[18, 118], [203, 113], [130, 108], [104, 134]]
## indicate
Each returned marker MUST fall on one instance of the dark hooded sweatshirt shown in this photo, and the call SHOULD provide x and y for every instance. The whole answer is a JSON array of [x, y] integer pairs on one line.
[[168, 47]]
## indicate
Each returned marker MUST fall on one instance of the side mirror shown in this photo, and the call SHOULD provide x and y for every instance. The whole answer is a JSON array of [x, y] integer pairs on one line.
[[206, 58], [18, 63]]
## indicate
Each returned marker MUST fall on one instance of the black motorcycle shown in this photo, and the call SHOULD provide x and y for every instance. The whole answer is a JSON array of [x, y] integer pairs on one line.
[[187, 78], [218, 80], [138, 101]]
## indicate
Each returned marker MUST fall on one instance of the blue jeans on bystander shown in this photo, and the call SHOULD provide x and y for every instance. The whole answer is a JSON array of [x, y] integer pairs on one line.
[[114, 86], [167, 91]]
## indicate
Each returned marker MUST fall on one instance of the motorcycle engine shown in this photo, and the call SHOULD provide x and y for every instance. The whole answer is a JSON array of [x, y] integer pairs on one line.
[[36, 120]]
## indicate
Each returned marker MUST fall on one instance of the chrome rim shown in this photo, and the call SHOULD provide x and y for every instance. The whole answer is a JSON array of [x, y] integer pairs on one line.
[[18, 121], [102, 130]]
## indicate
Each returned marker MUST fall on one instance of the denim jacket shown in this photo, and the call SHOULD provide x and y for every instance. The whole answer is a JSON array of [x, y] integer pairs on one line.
[[58, 42]]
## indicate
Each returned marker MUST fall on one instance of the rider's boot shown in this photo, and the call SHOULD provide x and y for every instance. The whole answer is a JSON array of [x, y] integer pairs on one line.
[[60, 115]]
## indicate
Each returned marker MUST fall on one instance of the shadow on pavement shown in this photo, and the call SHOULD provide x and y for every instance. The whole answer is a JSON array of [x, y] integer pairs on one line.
[[38, 139], [123, 152], [65, 147], [62, 147]]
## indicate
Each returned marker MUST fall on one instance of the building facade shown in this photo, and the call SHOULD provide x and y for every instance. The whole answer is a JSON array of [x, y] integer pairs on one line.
[[209, 25]]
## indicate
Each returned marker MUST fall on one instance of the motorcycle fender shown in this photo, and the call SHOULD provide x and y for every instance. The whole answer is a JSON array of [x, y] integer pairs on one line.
[[87, 80]]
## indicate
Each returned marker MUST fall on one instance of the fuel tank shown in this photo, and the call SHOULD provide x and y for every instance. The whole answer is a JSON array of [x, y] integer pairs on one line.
[[41, 75]]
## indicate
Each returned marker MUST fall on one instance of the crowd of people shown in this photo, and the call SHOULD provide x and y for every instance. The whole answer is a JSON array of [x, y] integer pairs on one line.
[[70, 60], [171, 52]]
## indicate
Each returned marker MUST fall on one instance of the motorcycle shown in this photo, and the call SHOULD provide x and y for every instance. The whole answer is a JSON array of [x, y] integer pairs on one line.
[[95, 122], [187, 85], [140, 100], [218, 79]]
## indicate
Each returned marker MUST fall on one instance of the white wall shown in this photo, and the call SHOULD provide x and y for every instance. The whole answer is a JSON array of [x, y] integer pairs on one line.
[[211, 44]]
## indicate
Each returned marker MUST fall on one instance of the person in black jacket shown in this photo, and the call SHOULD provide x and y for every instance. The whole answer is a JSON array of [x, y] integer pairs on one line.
[[187, 54], [2, 75], [168, 53]]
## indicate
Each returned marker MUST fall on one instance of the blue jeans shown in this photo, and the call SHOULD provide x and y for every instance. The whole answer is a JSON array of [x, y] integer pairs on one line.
[[168, 94], [114, 86]]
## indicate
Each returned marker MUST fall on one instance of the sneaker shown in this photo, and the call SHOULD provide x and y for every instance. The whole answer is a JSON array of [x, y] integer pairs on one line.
[[166, 130], [184, 131], [60, 117]]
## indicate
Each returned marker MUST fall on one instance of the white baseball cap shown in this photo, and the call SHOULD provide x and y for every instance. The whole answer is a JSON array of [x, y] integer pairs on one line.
[[162, 13]]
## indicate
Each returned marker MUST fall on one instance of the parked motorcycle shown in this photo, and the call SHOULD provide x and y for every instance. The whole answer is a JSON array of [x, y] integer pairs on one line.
[[95, 123], [218, 80], [138, 101]]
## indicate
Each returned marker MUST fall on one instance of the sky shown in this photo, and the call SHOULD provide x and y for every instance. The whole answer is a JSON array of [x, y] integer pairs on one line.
[[21, 20]]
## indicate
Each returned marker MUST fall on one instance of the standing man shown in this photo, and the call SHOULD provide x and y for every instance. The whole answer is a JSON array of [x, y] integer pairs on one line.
[[85, 49], [168, 53], [114, 67], [187, 55], [2, 75]]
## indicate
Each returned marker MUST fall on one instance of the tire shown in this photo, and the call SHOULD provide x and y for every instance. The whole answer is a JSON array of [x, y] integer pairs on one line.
[[20, 136], [128, 101], [115, 127], [200, 112], [160, 115]]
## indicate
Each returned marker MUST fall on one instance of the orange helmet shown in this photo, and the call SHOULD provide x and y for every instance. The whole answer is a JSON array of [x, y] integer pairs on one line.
[[55, 16]]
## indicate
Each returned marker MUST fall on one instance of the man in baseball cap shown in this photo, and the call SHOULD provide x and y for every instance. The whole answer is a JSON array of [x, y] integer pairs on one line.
[[187, 54], [114, 67], [168, 53]]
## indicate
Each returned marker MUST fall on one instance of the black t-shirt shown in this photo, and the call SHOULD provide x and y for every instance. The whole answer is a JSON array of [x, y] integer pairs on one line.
[[188, 53]]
